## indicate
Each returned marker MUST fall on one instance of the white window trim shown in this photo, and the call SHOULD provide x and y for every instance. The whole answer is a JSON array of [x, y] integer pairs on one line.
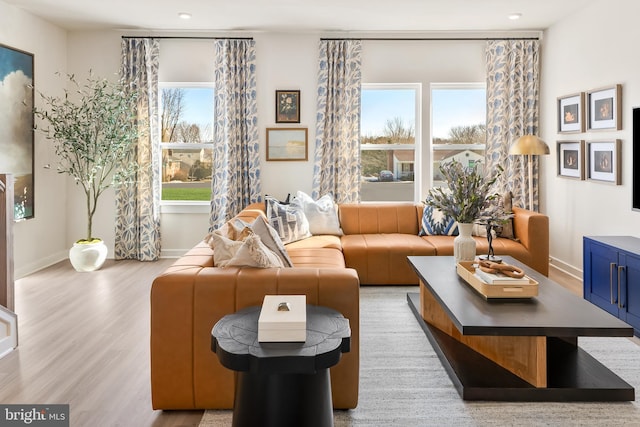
[[445, 147], [417, 87], [183, 206]]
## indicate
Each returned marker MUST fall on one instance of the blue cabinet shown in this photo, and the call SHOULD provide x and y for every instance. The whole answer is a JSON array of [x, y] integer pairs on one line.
[[612, 276]]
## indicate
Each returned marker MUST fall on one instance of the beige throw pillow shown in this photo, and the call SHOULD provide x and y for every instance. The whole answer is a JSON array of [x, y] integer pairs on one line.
[[249, 252]]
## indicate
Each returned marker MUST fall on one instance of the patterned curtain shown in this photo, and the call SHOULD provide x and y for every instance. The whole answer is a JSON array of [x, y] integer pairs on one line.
[[337, 159], [512, 111], [236, 160], [138, 203]]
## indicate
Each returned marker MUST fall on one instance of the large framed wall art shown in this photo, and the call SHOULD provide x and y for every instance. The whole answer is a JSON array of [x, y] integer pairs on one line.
[[16, 126]]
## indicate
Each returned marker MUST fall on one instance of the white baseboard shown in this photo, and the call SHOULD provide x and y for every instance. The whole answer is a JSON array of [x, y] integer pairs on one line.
[[40, 264], [173, 253], [565, 268]]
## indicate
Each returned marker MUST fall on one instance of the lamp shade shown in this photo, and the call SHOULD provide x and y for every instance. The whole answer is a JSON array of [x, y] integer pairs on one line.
[[529, 144]]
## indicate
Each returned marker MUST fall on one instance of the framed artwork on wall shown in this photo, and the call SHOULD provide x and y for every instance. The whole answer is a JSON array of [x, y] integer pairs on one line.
[[286, 144], [16, 126], [571, 113], [604, 108], [571, 159], [287, 106], [603, 161]]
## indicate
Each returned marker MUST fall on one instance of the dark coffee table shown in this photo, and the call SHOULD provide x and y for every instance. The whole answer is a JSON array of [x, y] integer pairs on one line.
[[515, 349], [282, 384]]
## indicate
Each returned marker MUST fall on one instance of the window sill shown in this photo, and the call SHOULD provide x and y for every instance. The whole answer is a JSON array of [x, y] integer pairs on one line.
[[179, 207]]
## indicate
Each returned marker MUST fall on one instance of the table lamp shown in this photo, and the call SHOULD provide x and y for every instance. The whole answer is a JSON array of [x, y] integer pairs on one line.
[[529, 145]]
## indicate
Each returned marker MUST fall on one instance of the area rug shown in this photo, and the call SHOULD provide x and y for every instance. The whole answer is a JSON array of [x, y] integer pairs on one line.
[[402, 382]]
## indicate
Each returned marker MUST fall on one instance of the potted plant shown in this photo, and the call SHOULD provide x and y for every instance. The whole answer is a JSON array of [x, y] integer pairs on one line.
[[94, 130], [466, 194]]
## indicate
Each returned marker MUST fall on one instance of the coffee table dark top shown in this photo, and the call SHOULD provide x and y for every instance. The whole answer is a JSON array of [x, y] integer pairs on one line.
[[554, 312], [234, 339]]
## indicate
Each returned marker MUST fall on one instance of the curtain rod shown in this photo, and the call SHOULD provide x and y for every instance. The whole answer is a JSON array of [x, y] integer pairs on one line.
[[188, 37], [430, 38]]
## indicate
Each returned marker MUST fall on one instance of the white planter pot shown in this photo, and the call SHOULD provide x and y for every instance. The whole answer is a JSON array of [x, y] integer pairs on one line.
[[88, 256], [464, 246]]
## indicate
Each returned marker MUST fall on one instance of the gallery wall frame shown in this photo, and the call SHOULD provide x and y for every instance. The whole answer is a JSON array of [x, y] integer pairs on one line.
[[287, 144], [571, 159], [16, 126], [604, 107], [287, 106], [604, 160], [571, 113]]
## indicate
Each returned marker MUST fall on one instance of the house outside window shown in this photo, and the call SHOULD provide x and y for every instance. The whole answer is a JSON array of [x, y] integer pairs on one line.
[[458, 125], [186, 118], [390, 126]]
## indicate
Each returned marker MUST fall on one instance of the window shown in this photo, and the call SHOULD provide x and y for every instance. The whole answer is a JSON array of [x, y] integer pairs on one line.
[[186, 119], [458, 124], [388, 133]]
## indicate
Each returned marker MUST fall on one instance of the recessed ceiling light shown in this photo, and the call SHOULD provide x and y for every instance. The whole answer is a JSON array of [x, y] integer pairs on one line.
[[184, 15], [515, 16]]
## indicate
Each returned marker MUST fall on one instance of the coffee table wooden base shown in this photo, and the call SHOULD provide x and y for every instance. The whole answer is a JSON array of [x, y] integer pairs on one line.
[[571, 373]]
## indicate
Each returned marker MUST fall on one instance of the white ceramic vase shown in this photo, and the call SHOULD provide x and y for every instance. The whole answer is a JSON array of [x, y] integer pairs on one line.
[[464, 246], [88, 256]]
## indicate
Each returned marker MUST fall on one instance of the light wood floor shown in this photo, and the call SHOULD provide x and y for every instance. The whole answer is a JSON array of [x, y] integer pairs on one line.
[[84, 341]]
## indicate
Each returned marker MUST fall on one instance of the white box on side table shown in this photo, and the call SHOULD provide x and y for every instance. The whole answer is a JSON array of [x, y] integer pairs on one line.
[[283, 318]]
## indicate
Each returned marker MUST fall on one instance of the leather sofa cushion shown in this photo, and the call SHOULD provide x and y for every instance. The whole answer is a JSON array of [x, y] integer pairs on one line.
[[375, 218], [382, 258], [320, 241], [317, 258]]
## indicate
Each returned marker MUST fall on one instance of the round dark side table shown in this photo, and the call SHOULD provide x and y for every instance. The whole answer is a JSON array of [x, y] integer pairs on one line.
[[282, 384]]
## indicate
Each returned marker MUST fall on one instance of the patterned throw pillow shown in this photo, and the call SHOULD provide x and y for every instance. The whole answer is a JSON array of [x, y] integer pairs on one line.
[[435, 223], [288, 220]]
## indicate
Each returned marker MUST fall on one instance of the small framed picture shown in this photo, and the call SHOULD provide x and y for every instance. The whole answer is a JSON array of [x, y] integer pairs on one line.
[[604, 108], [571, 113], [603, 160], [571, 159], [287, 106], [286, 144]]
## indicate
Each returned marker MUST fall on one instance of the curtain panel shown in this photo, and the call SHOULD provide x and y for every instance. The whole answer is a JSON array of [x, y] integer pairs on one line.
[[513, 68], [337, 155], [236, 160], [138, 203]]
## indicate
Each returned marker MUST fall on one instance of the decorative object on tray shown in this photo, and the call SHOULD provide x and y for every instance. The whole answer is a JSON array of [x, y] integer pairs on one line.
[[466, 194], [491, 285], [283, 318], [493, 216]]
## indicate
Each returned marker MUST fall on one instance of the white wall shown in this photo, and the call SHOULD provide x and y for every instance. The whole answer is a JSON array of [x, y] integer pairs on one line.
[[588, 50], [43, 240], [284, 61]]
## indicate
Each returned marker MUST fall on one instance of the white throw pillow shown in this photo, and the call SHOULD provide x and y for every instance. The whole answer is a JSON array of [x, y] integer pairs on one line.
[[322, 214], [288, 220]]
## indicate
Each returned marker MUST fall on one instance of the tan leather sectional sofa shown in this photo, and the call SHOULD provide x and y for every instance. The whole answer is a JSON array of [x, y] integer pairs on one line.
[[192, 294]]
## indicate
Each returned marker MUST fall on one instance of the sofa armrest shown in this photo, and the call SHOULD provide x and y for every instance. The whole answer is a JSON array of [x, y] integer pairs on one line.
[[532, 229]]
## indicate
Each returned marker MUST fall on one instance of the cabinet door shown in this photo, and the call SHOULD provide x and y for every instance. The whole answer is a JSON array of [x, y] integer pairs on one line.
[[600, 274], [630, 296]]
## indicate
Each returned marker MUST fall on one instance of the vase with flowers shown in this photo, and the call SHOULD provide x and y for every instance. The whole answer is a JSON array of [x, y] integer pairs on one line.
[[464, 197]]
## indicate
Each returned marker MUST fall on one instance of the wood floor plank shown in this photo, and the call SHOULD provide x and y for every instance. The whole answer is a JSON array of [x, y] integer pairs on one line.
[[84, 340]]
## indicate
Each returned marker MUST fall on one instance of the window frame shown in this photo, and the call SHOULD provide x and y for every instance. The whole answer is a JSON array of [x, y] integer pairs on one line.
[[445, 147], [416, 146], [182, 206]]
